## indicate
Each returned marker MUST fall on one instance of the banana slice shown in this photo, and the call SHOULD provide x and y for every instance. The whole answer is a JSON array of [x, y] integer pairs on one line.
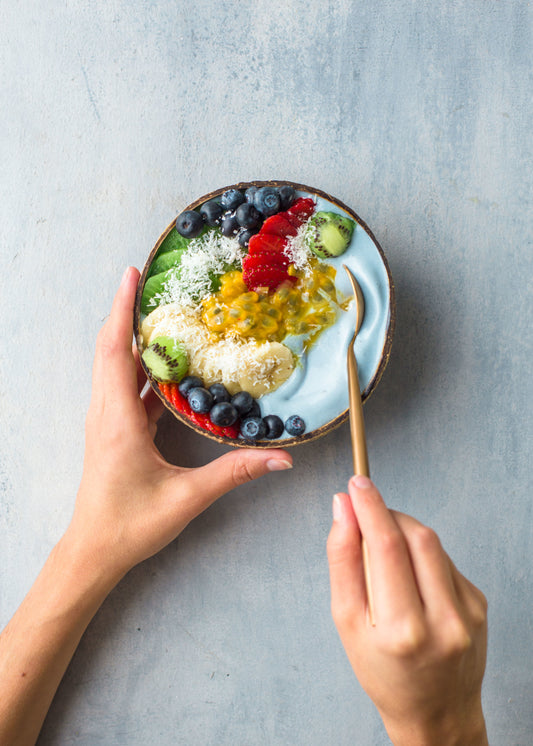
[[270, 366], [219, 363]]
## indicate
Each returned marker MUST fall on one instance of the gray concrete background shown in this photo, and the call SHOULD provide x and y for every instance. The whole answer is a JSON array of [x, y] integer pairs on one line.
[[116, 115]]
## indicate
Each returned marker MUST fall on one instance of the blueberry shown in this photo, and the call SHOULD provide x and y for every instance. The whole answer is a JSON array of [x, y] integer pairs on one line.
[[253, 428], [274, 426], [249, 193], [223, 414], [267, 200], [211, 212], [188, 383], [247, 216], [189, 224], [219, 393], [255, 410], [243, 402], [231, 199], [244, 236], [200, 400], [287, 195], [295, 425], [229, 225]]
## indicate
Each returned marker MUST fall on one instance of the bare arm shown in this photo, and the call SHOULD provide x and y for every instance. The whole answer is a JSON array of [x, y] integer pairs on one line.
[[131, 503]]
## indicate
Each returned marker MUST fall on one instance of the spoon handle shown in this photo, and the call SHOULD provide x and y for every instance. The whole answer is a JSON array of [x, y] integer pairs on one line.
[[360, 457], [357, 423]]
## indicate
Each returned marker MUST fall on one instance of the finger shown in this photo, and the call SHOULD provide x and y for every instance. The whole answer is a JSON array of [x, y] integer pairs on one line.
[[114, 370], [431, 567], [141, 375], [348, 592], [395, 593], [153, 405], [120, 322], [202, 486]]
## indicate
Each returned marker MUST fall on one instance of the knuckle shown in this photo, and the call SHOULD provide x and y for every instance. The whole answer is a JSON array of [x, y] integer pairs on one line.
[[483, 602], [480, 610], [106, 345], [242, 470], [407, 638], [339, 549], [457, 639], [425, 539], [390, 543], [107, 348]]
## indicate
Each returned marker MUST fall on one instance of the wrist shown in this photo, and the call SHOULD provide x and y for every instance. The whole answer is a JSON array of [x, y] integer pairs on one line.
[[83, 566], [466, 730]]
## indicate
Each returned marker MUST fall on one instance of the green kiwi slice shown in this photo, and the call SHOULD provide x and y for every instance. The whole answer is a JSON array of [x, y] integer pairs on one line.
[[166, 359], [329, 234]]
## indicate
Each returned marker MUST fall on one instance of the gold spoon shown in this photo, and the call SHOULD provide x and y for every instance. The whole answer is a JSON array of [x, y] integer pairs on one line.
[[357, 423]]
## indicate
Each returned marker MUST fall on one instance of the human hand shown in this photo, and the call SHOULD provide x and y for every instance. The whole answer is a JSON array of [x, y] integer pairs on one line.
[[423, 662], [131, 502]]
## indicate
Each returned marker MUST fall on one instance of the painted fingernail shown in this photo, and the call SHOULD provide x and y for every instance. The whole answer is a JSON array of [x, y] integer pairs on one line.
[[362, 482], [337, 508], [278, 464]]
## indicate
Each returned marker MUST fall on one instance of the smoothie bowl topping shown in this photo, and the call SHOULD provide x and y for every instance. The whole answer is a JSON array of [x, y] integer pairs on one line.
[[240, 313]]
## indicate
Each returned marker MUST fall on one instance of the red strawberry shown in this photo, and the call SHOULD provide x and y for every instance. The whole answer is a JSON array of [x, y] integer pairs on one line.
[[278, 225], [265, 277], [270, 258], [164, 388], [266, 242], [179, 401], [302, 209], [171, 392]]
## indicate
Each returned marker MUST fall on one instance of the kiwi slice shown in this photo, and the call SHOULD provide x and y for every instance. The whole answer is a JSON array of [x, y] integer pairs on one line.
[[166, 359], [329, 234]]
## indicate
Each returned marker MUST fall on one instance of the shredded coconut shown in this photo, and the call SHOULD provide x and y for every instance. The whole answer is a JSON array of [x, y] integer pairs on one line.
[[207, 257], [297, 250]]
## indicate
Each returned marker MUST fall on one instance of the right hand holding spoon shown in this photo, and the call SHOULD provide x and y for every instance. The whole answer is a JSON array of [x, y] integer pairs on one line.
[[423, 662]]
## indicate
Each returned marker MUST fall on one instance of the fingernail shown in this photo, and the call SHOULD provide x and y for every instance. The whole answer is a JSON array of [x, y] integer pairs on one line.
[[362, 482], [337, 508], [278, 464]]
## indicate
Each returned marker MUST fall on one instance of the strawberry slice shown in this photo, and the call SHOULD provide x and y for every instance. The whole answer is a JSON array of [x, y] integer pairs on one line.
[[265, 277], [171, 392], [266, 242], [302, 209], [165, 390], [270, 258], [278, 225]]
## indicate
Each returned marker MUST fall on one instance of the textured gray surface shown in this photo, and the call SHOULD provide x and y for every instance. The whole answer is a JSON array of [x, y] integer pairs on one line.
[[114, 117]]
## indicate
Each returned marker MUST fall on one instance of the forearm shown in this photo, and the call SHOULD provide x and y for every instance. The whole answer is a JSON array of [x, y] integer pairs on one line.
[[39, 641]]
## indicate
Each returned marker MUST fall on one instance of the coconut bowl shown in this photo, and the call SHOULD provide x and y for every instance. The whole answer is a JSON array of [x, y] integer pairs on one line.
[[317, 391]]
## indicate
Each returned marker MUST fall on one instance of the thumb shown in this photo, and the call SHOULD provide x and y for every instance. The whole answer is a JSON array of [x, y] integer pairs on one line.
[[207, 483]]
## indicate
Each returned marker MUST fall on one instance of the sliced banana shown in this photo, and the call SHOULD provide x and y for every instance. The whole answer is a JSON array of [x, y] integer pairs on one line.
[[272, 364]]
